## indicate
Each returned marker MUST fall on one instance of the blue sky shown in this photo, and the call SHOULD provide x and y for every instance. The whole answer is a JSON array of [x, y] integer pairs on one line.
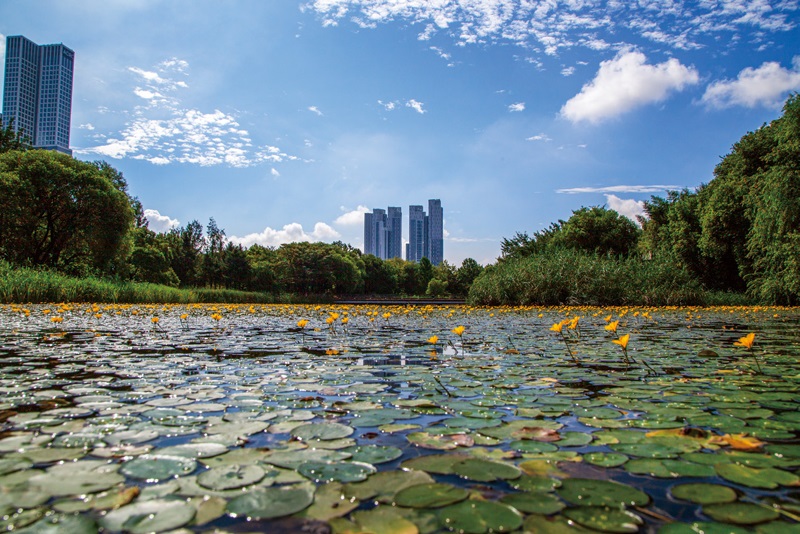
[[286, 120]]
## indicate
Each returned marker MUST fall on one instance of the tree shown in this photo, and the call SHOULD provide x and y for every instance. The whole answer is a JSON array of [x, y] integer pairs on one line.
[[237, 269], [380, 277], [598, 230], [150, 258], [187, 244], [62, 213], [12, 139], [213, 264], [466, 275]]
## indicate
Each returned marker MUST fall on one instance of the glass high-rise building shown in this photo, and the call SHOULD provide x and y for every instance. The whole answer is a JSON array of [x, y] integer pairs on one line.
[[434, 245], [383, 233], [37, 94], [394, 233], [425, 233], [416, 233]]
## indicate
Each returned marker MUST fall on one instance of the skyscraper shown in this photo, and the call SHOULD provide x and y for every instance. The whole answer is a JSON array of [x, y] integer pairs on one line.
[[37, 94], [434, 245], [383, 233], [416, 233]]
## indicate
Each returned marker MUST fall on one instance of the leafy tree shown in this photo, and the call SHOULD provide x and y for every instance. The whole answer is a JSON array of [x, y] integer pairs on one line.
[[11, 139], [436, 288], [466, 275], [380, 276], [237, 269], [263, 263], [187, 244], [213, 264], [62, 213], [150, 258], [598, 230], [318, 268]]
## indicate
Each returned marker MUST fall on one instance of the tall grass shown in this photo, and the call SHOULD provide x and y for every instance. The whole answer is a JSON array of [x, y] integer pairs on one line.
[[573, 277], [22, 285]]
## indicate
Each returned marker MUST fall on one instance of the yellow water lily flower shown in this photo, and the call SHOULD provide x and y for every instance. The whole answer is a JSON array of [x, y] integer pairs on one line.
[[557, 327], [216, 316], [612, 326], [746, 341], [433, 339], [622, 341], [154, 320], [459, 330]]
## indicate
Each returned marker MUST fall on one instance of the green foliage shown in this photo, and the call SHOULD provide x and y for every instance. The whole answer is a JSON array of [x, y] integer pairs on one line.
[[436, 288], [62, 213], [576, 277], [12, 139]]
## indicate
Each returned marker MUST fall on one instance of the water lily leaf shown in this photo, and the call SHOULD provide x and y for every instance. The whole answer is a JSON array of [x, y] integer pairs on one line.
[[10, 465], [321, 431], [534, 502], [230, 477], [265, 503], [541, 468], [704, 493], [60, 523], [49, 455], [482, 470], [605, 459], [740, 513], [20, 518], [149, 516], [194, 450], [293, 459], [668, 468], [374, 454], [430, 495], [75, 483], [477, 517], [441, 464], [243, 456], [154, 467], [399, 427], [702, 526], [590, 492], [208, 508], [534, 483], [440, 442], [533, 446], [605, 519], [383, 520], [647, 450], [383, 486], [574, 439], [767, 478], [336, 471], [330, 501]]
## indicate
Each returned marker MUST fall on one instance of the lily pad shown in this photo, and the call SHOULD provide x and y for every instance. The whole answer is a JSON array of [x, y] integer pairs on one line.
[[534, 502], [154, 467], [477, 517], [704, 493], [605, 459], [605, 519], [272, 502], [430, 495], [591, 492], [149, 516], [374, 454], [230, 477], [767, 478], [482, 470], [741, 513], [321, 431], [336, 471], [330, 501]]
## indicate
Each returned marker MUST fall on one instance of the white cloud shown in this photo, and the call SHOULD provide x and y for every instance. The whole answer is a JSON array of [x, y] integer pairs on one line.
[[519, 106], [315, 109], [88, 126], [353, 217], [766, 85], [627, 207], [627, 82], [290, 233], [620, 189], [388, 106], [539, 137], [160, 223], [274, 172], [568, 71], [416, 106]]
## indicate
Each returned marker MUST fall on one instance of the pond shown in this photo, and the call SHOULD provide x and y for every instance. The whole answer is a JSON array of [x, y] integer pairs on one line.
[[202, 418]]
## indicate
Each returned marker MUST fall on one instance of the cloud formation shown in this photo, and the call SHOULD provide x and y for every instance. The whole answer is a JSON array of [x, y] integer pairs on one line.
[[627, 207], [353, 217], [625, 83], [766, 85], [160, 223], [162, 132], [548, 26], [415, 105], [620, 189], [290, 233], [517, 107]]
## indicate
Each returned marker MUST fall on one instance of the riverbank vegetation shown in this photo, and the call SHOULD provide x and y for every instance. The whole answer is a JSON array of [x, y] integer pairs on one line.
[[70, 227]]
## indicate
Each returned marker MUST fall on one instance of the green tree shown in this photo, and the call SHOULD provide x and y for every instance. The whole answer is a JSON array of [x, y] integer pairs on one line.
[[213, 263], [264, 266], [380, 276], [12, 139], [237, 271], [598, 230], [466, 275], [318, 268], [187, 245], [62, 213]]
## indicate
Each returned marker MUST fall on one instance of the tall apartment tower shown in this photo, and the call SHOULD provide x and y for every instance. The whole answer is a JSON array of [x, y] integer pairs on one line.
[[434, 245], [37, 93], [416, 233], [383, 233]]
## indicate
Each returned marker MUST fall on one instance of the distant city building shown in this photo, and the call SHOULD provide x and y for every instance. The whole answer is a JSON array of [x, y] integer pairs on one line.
[[415, 250], [394, 233], [434, 245], [37, 94]]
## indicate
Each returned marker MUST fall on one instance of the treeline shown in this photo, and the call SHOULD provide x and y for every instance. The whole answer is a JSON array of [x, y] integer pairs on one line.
[[76, 218], [735, 238]]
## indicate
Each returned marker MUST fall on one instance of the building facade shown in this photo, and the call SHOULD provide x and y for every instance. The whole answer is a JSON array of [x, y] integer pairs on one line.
[[434, 246], [416, 233], [37, 92]]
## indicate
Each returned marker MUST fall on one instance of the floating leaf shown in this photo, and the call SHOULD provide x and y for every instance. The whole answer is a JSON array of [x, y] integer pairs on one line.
[[482, 470], [153, 467], [605, 519], [605, 459], [534, 502], [265, 503], [336, 471], [741, 513], [321, 431], [330, 501], [430, 495], [703, 493], [383, 486], [230, 477], [590, 492], [374, 454], [477, 517], [149, 516], [767, 478]]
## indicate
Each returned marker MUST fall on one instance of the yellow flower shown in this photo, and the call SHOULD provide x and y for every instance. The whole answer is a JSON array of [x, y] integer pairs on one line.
[[433, 339], [459, 330], [332, 352], [56, 319], [345, 320], [98, 315], [154, 320], [216, 316], [612, 326], [607, 318], [557, 327], [387, 315], [573, 323], [334, 315], [184, 316], [622, 341], [330, 319], [746, 341], [302, 323]]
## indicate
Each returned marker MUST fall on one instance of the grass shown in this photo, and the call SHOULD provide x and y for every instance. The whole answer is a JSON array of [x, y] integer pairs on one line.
[[22, 285]]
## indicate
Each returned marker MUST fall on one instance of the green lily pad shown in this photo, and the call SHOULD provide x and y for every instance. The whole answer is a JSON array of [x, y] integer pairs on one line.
[[230, 477], [321, 431], [590, 492], [153, 467], [605, 519], [740, 513], [605, 459], [482, 470], [668, 468], [293, 459], [330, 501], [383, 486], [374, 454], [477, 517], [535, 483], [76, 483], [336, 471], [430, 495], [383, 520], [704, 493], [701, 526], [534, 502], [526, 445], [767, 478], [647, 450], [60, 523], [272, 502], [440, 442], [149, 516]]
